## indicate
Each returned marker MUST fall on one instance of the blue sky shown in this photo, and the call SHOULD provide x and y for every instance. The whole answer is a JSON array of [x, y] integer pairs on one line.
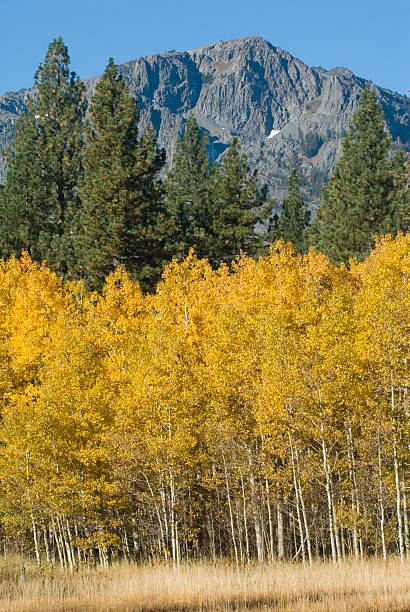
[[371, 37]]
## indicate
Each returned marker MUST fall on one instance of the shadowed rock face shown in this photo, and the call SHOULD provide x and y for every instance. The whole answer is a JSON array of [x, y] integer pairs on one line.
[[283, 112]]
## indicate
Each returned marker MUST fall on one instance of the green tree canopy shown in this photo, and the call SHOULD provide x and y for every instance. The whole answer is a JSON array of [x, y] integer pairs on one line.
[[294, 216], [399, 219], [238, 207], [362, 198], [39, 202], [188, 194], [122, 207]]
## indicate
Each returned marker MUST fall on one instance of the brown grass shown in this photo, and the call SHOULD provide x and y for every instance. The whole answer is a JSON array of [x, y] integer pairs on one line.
[[371, 586]]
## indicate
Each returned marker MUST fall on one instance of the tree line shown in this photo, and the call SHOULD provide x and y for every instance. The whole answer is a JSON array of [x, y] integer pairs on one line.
[[85, 189], [258, 412], [84, 192], [248, 405]]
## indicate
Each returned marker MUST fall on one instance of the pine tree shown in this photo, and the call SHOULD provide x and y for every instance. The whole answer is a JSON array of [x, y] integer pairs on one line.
[[238, 205], [357, 202], [294, 216], [399, 219], [39, 202], [23, 213], [188, 194], [121, 196]]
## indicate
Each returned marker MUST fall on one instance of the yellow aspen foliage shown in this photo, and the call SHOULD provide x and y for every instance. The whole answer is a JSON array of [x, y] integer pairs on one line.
[[254, 411], [31, 297], [383, 309]]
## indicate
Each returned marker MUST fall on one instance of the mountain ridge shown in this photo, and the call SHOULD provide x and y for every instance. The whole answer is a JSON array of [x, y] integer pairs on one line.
[[285, 113]]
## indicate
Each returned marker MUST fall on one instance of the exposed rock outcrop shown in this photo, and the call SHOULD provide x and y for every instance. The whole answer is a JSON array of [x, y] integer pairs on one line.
[[284, 112]]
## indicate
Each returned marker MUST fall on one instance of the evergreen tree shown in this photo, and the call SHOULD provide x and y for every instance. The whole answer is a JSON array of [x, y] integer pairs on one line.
[[23, 213], [238, 205], [121, 197], [358, 202], [39, 203], [399, 219], [294, 216], [188, 194]]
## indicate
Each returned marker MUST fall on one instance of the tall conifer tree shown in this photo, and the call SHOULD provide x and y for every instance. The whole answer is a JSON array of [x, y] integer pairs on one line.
[[294, 216], [399, 218], [360, 200], [23, 212], [39, 202], [121, 197], [238, 205], [188, 194]]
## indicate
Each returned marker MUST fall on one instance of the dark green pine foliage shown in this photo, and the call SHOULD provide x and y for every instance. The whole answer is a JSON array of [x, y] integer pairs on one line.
[[188, 194], [238, 207], [39, 203], [23, 213], [399, 219], [294, 216], [148, 223], [357, 202], [122, 203]]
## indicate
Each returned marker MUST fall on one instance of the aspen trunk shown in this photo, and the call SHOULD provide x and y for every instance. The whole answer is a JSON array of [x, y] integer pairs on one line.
[[329, 500], [164, 512], [381, 503], [328, 484], [79, 552], [218, 501], [398, 499], [158, 513], [337, 539], [33, 522], [245, 522], [280, 531], [46, 545], [256, 518], [238, 525], [342, 541], [405, 515], [268, 506], [177, 544], [70, 540], [356, 494], [60, 548], [228, 494], [36, 547], [173, 524], [271, 545], [295, 541], [353, 491], [396, 473], [302, 503], [295, 484], [66, 545], [125, 545]]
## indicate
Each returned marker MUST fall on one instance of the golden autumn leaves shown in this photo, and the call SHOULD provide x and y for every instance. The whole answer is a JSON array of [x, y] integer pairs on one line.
[[191, 421]]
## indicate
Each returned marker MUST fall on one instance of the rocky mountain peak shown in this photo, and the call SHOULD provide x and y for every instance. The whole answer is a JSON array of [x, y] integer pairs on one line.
[[284, 113]]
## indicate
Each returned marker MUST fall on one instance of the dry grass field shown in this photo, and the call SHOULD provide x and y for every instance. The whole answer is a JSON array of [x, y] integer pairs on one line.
[[371, 586]]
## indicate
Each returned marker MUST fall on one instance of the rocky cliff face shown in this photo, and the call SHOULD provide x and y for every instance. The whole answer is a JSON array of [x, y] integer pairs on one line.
[[283, 112]]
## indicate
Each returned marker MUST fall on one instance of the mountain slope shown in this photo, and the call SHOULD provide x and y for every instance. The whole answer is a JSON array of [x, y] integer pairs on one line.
[[284, 112]]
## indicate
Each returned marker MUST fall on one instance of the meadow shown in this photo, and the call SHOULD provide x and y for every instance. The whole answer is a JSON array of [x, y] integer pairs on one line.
[[357, 586]]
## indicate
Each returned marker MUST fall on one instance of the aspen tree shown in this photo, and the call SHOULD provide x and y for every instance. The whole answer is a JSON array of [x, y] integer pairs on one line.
[[384, 307]]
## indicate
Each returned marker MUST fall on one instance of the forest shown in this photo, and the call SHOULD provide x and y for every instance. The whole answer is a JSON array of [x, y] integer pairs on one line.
[[87, 188], [190, 372], [251, 412]]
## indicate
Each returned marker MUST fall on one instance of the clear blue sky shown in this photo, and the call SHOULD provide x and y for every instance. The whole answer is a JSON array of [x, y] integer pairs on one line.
[[371, 37]]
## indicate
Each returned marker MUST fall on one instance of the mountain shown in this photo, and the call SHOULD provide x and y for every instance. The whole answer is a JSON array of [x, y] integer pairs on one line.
[[283, 112]]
